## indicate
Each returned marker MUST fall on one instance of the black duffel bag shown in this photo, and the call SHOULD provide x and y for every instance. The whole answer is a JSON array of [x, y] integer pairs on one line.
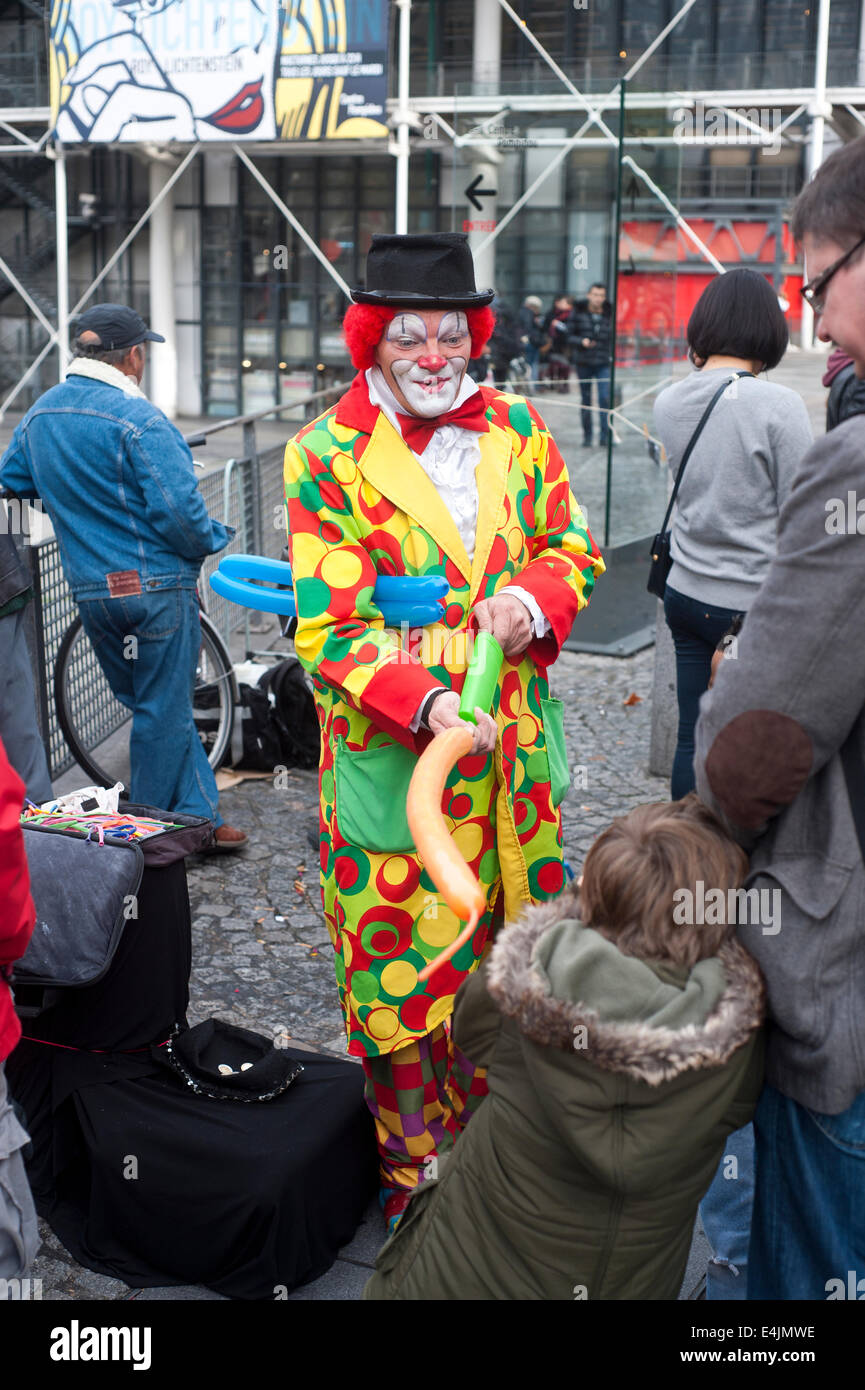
[[278, 723]]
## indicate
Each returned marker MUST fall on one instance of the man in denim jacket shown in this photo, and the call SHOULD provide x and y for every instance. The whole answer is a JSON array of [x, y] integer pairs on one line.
[[117, 480]]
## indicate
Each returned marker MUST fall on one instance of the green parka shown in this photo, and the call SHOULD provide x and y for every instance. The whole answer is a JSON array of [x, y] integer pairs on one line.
[[614, 1084]]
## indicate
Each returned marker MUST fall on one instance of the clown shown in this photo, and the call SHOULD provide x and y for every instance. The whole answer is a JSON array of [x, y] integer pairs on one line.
[[418, 471]]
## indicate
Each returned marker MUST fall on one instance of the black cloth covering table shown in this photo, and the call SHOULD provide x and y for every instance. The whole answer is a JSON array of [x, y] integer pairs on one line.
[[146, 1181]]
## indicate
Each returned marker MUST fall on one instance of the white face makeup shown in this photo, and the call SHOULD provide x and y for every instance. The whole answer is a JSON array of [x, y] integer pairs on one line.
[[423, 356]]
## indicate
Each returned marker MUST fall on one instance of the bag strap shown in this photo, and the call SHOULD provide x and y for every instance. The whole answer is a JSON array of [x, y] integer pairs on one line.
[[692, 441], [855, 786]]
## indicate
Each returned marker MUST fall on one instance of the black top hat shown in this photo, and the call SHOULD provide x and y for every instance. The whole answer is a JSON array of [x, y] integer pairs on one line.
[[202, 1056], [430, 270]]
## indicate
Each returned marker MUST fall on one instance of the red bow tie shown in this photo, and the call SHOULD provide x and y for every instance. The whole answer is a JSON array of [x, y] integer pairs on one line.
[[418, 431]]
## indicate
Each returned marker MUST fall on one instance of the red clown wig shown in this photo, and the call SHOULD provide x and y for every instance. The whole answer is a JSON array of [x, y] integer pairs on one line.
[[364, 325]]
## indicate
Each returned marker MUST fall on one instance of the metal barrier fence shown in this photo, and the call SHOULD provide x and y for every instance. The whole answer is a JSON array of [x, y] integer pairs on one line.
[[246, 493]]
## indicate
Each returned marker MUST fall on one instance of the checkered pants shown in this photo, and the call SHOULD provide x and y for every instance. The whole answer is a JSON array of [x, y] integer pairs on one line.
[[420, 1097]]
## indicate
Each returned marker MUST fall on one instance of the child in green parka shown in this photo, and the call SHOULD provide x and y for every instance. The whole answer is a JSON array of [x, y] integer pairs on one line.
[[621, 1026]]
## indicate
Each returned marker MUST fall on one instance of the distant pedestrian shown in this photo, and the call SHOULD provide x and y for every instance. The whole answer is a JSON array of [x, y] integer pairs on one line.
[[504, 347], [530, 324], [846, 389], [592, 331], [557, 345]]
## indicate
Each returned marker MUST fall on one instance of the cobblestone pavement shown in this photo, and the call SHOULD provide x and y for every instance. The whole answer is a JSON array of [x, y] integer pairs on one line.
[[261, 954]]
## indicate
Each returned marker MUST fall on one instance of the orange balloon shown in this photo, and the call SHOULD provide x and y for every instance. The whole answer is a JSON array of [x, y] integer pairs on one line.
[[446, 867]]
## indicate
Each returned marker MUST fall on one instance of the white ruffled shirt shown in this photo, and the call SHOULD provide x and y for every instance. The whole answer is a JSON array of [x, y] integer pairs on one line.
[[449, 461]]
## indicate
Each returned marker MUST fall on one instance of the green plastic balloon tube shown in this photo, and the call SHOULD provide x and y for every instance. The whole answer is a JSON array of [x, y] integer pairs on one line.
[[481, 677]]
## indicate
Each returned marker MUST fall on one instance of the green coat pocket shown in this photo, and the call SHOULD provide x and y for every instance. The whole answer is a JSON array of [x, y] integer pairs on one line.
[[554, 735], [371, 790]]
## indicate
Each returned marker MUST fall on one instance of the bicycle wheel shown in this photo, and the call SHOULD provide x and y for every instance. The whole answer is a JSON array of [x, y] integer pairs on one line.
[[97, 727]]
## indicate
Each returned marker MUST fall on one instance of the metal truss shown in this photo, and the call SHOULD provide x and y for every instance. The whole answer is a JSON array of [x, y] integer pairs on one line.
[[843, 107]]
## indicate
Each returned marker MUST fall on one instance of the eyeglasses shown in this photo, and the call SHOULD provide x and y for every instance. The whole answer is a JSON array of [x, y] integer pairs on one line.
[[814, 292]]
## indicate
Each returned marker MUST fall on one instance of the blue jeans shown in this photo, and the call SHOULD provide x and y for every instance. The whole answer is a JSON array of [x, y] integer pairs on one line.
[[809, 1206], [725, 1212], [147, 645], [18, 728], [601, 375], [697, 628]]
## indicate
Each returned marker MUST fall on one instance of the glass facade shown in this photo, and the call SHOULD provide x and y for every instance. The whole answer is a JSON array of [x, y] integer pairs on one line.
[[259, 316], [272, 315], [719, 45]]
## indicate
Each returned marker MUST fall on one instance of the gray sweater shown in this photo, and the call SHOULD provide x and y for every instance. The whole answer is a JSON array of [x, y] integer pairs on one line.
[[767, 758], [737, 479]]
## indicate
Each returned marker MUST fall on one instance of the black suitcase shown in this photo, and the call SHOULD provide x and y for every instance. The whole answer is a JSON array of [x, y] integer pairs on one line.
[[141, 1178]]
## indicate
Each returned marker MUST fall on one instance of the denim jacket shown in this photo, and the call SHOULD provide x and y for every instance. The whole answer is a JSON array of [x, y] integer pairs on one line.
[[117, 480]]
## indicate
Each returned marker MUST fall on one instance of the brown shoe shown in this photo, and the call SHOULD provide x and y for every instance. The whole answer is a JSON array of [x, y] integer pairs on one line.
[[226, 839]]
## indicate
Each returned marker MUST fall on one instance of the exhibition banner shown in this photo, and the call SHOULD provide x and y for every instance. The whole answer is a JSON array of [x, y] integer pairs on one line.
[[189, 70]]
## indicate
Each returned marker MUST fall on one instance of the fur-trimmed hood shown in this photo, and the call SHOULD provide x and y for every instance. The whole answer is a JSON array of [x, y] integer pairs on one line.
[[643, 1050]]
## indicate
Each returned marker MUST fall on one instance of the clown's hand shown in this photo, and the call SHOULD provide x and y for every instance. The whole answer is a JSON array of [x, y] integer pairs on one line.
[[509, 621], [445, 713]]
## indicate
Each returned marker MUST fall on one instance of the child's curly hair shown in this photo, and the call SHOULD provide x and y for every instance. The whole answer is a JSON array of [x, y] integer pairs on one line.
[[364, 325], [637, 864]]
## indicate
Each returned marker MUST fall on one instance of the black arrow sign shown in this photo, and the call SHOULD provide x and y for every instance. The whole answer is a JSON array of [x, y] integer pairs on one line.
[[473, 192]]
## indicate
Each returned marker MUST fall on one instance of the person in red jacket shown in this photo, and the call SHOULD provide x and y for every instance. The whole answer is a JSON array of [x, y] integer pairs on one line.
[[19, 1237]]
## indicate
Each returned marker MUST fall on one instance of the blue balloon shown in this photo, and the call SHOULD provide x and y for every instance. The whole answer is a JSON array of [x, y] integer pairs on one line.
[[414, 599]]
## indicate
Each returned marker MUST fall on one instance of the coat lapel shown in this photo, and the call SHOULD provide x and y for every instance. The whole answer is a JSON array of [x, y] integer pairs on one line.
[[389, 464], [492, 479]]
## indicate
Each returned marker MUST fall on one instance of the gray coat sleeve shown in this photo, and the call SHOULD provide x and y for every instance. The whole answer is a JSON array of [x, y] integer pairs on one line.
[[779, 711]]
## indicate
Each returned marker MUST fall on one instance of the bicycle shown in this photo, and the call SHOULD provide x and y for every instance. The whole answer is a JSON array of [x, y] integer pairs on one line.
[[97, 726]]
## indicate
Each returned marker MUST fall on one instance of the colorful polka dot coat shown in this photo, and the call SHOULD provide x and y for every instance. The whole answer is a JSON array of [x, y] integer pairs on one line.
[[359, 505]]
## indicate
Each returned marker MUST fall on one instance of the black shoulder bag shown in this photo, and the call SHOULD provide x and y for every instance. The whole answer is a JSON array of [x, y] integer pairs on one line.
[[662, 559]]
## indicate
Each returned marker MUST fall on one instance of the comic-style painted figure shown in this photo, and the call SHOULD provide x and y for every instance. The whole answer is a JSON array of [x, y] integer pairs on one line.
[[165, 69]]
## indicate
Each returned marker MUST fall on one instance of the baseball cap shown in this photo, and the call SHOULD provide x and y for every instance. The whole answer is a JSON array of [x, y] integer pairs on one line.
[[116, 325]]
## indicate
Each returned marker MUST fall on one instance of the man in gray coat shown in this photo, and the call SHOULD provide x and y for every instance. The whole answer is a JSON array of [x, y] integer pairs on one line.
[[775, 734]]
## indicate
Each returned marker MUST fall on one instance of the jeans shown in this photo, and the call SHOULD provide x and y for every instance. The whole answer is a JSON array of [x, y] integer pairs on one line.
[[725, 1212], [147, 645], [18, 728], [532, 356], [697, 628], [808, 1234], [600, 374]]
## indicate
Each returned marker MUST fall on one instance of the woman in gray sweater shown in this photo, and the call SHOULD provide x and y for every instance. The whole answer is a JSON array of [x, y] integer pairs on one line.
[[735, 482]]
